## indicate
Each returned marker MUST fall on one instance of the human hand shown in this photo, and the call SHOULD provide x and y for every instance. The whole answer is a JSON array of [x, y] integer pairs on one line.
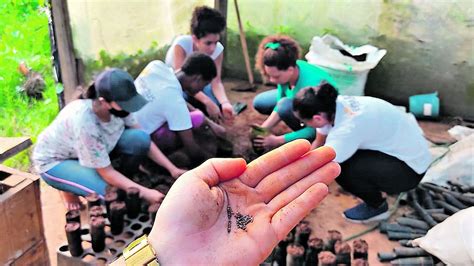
[[268, 142], [151, 195], [177, 172], [227, 110], [278, 189], [213, 111]]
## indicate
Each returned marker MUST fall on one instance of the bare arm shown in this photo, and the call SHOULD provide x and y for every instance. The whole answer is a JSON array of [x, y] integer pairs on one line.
[[319, 141], [204, 99], [179, 57], [216, 128], [158, 157], [217, 86], [219, 90], [191, 147], [271, 121], [115, 178]]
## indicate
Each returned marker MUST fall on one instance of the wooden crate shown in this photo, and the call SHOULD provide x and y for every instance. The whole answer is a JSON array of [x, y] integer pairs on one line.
[[36, 255], [22, 237]]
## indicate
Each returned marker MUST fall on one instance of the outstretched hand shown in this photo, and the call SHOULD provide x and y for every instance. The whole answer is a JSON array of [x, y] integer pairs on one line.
[[278, 190]]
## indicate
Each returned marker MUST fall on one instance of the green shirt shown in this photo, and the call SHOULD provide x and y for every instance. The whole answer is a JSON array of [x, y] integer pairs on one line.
[[310, 75]]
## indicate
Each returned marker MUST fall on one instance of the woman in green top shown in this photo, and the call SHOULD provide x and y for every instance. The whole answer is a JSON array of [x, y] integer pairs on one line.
[[278, 61]]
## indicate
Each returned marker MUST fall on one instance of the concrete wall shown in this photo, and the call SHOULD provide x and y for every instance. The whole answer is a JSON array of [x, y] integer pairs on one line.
[[127, 25], [429, 42]]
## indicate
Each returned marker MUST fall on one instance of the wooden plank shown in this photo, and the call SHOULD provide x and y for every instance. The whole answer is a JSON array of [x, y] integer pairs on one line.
[[12, 180], [15, 221], [21, 218], [11, 146], [36, 255], [14, 171], [63, 37]]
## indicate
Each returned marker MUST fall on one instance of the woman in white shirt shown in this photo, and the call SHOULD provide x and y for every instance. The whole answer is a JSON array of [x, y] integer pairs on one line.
[[379, 147], [206, 26], [74, 153]]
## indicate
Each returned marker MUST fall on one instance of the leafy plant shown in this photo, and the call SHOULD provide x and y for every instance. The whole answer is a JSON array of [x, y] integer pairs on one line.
[[132, 63], [24, 38]]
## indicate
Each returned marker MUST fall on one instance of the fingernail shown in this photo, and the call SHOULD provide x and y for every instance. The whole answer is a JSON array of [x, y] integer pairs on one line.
[[324, 187]]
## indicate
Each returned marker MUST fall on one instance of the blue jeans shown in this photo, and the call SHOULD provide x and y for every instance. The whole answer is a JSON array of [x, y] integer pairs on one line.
[[208, 92], [72, 177], [266, 101]]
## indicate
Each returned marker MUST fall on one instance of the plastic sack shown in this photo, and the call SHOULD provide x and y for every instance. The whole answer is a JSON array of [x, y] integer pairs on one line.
[[457, 163], [347, 65], [460, 132], [452, 241]]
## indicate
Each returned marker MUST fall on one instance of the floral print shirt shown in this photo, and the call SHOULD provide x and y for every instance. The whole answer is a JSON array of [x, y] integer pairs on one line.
[[77, 133]]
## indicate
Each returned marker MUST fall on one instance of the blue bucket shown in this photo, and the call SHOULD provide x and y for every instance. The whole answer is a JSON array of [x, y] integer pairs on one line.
[[425, 105]]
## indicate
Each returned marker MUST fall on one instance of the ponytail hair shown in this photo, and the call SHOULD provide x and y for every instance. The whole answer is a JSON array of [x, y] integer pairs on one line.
[[311, 101], [277, 51], [89, 93]]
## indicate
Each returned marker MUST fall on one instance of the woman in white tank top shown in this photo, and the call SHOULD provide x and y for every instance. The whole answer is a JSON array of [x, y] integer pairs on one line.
[[206, 26]]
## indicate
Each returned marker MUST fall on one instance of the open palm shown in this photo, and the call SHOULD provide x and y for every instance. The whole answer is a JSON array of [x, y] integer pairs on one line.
[[278, 190]]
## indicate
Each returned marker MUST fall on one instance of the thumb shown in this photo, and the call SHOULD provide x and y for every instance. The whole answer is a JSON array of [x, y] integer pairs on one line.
[[217, 170]]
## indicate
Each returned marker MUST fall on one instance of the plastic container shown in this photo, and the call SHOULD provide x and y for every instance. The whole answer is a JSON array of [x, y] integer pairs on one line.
[[424, 105]]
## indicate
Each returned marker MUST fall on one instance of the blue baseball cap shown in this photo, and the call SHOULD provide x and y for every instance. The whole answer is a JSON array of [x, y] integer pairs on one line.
[[116, 85]]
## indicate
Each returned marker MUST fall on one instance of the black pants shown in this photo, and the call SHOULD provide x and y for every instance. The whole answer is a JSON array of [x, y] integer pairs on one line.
[[367, 173]]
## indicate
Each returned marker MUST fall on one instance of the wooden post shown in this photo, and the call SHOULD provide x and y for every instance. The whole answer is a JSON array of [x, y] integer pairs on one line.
[[221, 5], [63, 37]]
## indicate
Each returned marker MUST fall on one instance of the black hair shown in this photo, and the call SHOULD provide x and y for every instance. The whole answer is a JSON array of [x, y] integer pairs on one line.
[[200, 64], [206, 20], [89, 93], [282, 57], [314, 100]]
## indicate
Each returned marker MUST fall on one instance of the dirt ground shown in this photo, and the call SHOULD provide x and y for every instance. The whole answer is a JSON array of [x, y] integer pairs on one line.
[[327, 216]]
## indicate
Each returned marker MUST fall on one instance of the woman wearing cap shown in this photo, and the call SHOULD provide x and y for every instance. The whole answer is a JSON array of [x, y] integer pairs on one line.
[[206, 26], [72, 153], [278, 61], [378, 147]]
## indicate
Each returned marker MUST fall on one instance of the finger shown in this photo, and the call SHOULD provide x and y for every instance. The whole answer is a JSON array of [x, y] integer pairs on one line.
[[325, 175], [218, 170], [290, 215], [283, 178], [274, 160]]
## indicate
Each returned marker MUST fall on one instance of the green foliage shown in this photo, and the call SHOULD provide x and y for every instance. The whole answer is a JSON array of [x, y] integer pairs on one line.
[[285, 30], [24, 38], [133, 64]]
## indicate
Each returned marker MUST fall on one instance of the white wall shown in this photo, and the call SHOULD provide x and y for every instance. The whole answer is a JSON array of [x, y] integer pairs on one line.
[[127, 25]]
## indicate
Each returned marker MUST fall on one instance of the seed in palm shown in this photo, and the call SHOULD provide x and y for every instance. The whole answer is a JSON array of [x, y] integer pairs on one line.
[[229, 217], [243, 220]]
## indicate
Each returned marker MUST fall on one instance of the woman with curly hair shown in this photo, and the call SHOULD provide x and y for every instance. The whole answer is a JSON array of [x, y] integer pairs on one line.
[[278, 61], [206, 26]]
